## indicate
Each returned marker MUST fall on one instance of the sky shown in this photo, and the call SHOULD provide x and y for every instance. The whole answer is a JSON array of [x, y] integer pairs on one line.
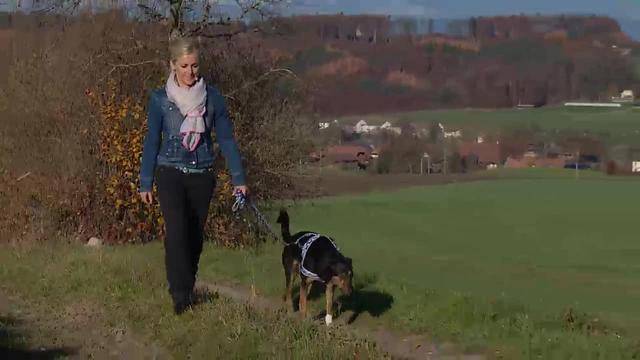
[[466, 8], [629, 9]]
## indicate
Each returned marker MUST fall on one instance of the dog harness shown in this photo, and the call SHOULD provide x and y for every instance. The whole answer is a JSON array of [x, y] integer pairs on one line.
[[310, 239]]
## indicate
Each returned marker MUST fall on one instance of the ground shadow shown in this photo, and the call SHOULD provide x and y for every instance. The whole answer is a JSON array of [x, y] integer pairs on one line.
[[13, 347], [373, 302], [365, 298]]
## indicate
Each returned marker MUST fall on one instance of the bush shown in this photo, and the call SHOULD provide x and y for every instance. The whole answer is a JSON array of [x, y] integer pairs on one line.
[[401, 154], [78, 90], [383, 165]]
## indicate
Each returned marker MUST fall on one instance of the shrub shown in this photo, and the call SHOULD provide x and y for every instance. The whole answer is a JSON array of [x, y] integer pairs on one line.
[[77, 96]]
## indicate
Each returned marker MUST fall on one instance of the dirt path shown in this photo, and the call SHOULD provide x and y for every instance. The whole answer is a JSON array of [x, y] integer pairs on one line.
[[395, 345], [79, 332]]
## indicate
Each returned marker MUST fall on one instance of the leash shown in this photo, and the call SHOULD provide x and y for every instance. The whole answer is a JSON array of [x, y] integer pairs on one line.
[[241, 203]]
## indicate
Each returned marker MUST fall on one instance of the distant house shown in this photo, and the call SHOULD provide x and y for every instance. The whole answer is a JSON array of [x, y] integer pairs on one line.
[[483, 155], [349, 153], [363, 128], [450, 134], [453, 134], [388, 127], [625, 96], [326, 125]]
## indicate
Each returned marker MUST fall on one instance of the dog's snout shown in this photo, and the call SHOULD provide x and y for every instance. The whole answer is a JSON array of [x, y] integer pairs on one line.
[[347, 289]]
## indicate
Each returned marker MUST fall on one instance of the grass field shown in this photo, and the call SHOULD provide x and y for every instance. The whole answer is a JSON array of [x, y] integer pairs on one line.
[[621, 125], [528, 264], [490, 262], [113, 303]]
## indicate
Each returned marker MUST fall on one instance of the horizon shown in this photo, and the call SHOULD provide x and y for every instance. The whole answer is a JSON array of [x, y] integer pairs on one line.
[[437, 9], [627, 9], [625, 12]]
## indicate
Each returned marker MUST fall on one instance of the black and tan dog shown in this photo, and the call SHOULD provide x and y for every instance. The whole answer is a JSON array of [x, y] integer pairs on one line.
[[316, 258]]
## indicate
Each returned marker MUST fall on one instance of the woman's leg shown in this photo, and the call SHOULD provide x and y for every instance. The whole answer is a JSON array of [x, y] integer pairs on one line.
[[199, 190], [173, 203]]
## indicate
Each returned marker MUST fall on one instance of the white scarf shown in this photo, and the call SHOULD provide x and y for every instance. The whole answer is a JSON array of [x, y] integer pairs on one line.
[[191, 101]]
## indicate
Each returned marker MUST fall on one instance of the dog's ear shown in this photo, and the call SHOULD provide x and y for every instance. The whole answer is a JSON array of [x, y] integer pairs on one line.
[[341, 266], [350, 262]]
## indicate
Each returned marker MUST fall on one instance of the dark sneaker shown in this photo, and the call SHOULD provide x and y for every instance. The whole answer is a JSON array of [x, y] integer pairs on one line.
[[181, 306], [182, 303]]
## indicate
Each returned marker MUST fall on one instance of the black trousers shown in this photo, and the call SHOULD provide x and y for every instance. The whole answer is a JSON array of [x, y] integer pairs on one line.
[[184, 202]]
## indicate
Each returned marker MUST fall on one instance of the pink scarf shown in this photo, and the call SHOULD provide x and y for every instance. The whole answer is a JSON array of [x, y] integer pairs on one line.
[[192, 104]]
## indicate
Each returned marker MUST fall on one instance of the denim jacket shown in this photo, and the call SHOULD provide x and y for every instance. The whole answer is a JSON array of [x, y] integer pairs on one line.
[[163, 142]]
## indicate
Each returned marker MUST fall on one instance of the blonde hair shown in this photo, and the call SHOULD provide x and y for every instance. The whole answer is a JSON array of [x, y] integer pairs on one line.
[[179, 46]]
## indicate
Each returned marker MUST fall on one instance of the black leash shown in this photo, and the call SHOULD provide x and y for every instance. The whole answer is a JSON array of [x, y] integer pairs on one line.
[[242, 203]]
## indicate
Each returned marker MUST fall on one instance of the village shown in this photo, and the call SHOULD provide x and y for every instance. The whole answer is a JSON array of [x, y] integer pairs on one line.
[[432, 148]]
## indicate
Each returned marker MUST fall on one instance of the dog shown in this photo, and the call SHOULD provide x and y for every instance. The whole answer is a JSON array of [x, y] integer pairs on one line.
[[316, 258]]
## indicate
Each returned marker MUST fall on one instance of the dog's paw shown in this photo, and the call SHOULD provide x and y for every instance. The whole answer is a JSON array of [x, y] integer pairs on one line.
[[328, 319]]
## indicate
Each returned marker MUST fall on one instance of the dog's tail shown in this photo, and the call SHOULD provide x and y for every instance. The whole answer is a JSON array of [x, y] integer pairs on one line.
[[283, 220]]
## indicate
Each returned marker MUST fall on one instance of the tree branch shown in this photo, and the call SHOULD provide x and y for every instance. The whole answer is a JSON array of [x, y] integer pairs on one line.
[[126, 66], [260, 79], [153, 14], [227, 35]]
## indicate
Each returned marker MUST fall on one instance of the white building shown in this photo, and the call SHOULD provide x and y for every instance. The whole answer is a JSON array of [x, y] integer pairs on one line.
[[325, 125], [453, 134], [450, 134], [363, 128], [627, 95], [388, 127]]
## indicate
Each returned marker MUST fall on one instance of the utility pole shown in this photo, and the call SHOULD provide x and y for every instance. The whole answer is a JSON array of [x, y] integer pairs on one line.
[[444, 148], [444, 169], [428, 157], [577, 161]]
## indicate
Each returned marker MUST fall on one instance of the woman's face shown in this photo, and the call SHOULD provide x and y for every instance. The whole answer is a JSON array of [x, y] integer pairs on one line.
[[186, 68]]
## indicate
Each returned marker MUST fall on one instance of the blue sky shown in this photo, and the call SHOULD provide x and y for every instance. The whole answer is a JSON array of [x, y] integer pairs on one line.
[[466, 8], [628, 9]]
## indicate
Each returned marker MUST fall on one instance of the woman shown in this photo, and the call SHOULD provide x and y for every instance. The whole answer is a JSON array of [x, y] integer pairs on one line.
[[178, 148]]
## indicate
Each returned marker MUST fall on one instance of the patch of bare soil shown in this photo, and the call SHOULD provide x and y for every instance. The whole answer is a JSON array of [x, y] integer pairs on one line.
[[397, 346], [78, 332]]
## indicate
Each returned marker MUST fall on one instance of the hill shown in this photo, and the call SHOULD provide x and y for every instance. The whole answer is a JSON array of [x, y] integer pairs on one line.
[[372, 64]]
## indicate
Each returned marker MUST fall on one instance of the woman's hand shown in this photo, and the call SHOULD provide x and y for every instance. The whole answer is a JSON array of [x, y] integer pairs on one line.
[[146, 197], [242, 188]]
